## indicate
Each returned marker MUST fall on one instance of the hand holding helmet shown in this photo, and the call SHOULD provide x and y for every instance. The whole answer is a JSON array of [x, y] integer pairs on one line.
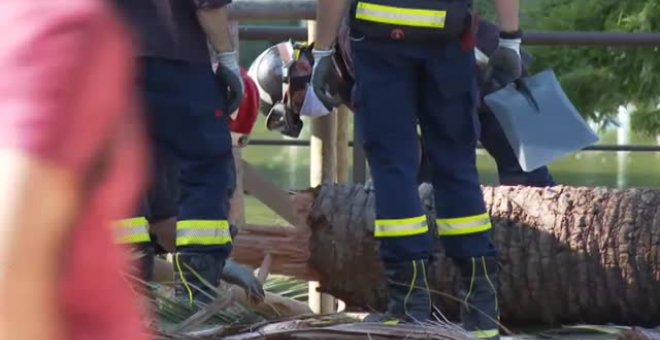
[[322, 74], [242, 120]]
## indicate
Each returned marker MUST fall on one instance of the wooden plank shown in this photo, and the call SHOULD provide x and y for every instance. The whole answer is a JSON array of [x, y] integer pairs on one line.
[[237, 201], [322, 169]]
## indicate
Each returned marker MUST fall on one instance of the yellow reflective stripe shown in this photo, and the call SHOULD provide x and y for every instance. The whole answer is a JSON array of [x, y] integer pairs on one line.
[[202, 233], [491, 333], [401, 227], [400, 16], [132, 230], [463, 225], [132, 222]]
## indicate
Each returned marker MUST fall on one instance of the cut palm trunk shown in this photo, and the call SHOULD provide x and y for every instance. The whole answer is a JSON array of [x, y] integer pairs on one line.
[[567, 254]]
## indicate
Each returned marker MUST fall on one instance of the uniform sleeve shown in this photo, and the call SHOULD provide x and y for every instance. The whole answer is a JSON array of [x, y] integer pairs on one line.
[[206, 4], [61, 103]]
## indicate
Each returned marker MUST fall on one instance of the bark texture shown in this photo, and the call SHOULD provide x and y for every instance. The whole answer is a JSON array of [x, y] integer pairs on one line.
[[567, 254]]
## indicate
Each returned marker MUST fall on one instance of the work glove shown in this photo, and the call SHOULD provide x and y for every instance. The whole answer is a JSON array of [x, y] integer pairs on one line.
[[505, 65], [243, 277], [229, 70], [322, 72]]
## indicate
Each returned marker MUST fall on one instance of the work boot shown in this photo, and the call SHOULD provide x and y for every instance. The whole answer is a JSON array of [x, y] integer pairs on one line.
[[479, 308], [194, 273], [409, 296]]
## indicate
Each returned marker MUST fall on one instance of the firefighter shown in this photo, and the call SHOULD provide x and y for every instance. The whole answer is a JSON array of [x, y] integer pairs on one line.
[[188, 111], [414, 61], [165, 195], [266, 70]]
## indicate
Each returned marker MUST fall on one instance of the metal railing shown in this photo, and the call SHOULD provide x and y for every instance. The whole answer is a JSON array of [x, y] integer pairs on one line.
[[602, 147], [267, 10], [281, 33]]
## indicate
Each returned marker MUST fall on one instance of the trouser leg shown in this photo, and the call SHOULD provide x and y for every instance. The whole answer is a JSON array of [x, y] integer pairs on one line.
[[450, 129], [163, 200], [187, 110], [386, 103]]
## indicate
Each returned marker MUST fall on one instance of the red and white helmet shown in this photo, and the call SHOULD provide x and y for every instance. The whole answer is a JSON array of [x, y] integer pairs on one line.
[[241, 121]]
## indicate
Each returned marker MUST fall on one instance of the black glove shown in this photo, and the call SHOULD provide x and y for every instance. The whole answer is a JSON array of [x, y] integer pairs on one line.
[[321, 77], [505, 65], [243, 277], [230, 72]]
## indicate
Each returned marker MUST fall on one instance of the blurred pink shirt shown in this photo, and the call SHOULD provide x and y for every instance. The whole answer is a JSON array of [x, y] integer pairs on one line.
[[67, 96]]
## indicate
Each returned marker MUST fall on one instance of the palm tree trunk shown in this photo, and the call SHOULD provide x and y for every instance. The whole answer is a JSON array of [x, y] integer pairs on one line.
[[567, 254]]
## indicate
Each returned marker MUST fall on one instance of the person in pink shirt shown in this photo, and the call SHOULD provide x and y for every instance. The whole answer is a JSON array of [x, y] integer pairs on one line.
[[71, 161]]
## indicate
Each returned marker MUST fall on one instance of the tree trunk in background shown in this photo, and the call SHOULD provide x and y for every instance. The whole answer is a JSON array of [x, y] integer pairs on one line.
[[567, 254]]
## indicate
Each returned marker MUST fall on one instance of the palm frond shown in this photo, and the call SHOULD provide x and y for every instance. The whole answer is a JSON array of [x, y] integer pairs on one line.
[[288, 287], [176, 319]]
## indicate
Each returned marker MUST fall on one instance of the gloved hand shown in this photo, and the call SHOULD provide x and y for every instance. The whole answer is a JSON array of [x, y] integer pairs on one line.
[[505, 65], [321, 76], [230, 71], [241, 276]]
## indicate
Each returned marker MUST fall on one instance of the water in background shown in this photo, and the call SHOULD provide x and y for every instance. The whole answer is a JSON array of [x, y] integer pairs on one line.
[[288, 166]]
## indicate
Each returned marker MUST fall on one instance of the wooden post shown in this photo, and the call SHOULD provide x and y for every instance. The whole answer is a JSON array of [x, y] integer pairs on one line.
[[237, 202], [322, 169], [343, 117]]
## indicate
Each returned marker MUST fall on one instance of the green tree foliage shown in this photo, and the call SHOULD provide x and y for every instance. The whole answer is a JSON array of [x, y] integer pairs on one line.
[[600, 79]]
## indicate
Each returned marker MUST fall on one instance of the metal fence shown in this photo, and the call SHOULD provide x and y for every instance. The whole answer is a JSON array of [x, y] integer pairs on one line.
[[267, 10], [602, 147]]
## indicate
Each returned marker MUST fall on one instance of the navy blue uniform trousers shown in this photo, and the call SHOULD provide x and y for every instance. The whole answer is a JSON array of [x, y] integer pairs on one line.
[[398, 85], [192, 153]]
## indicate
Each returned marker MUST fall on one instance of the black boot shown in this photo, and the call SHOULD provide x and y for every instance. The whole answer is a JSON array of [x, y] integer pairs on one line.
[[194, 273], [409, 296], [479, 309]]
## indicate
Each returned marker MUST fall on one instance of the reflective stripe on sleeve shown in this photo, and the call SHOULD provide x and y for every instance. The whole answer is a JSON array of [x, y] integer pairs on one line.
[[132, 230], [400, 16], [401, 227], [202, 233], [463, 225]]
